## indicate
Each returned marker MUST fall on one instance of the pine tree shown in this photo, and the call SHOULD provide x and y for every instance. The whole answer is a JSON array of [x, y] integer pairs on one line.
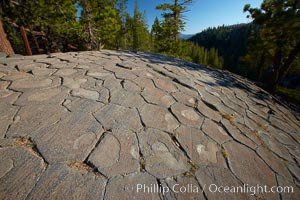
[[101, 21], [87, 19], [55, 19], [62, 29], [121, 40], [280, 33], [140, 34], [173, 23], [109, 26], [173, 13], [155, 34]]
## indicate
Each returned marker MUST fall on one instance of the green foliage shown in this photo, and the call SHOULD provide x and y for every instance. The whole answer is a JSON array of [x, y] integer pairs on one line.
[[121, 41], [207, 57], [292, 95], [101, 23], [173, 15], [105, 23], [170, 27], [165, 37], [108, 26], [55, 19], [278, 40], [15, 39], [139, 30], [156, 35], [230, 41]]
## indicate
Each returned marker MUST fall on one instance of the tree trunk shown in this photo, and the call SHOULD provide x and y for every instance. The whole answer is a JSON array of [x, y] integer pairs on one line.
[[287, 64], [25, 40], [275, 72], [45, 42], [176, 19], [260, 66], [35, 40], [5, 45], [280, 70]]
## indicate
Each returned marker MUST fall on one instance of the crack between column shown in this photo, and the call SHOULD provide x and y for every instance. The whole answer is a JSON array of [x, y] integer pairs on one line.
[[124, 67], [277, 182], [86, 161], [266, 162], [140, 117], [36, 183], [64, 106], [202, 189], [228, 165], [234, 139], [141, 156], [105, 188]]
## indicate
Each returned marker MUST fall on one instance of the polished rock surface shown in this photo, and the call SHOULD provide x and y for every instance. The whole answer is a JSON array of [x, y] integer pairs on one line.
[[133, 125]]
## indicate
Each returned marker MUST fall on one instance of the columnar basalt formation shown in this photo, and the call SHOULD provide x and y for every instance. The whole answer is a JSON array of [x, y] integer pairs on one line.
[[130, 125]]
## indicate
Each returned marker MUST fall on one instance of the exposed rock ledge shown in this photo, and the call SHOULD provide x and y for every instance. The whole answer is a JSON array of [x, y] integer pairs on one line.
[[93, 125]]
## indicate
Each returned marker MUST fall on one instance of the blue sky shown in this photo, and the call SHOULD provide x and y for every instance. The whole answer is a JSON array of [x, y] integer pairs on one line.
[[203, 13]]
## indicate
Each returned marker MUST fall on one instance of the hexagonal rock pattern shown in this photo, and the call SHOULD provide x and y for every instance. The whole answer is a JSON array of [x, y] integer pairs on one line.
[[162, 158], [133, 125], [16, 180], [132, 186], [122, 146], [72, 181]]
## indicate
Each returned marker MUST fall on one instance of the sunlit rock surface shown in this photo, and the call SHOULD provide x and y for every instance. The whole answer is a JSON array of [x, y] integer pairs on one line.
[[124, 125]]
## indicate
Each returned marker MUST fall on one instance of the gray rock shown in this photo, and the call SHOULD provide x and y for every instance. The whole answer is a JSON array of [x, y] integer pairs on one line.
[[6, 118], [69, 181], [119, 117], [31, 83], [165, 85], [185, 187], [295, 170], [162, 158], [126, 98], [122, 148], [2, 55], [213, 177], [88, 94], [65, 72], [30, 119], [71, 138], [187, 115], [41, 96], [274, 146], [274, 162], [208, 112], [249, 168], [158, 97], [237, 134], [158, 117], [73, 83], [16, 181], [132, 186], [185, 99], [201, 149], [215, 131], [290, 190], [138, 118]]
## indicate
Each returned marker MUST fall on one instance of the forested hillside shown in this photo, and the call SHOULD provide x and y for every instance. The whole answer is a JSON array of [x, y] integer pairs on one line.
[[266, 50], [230, 41]]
